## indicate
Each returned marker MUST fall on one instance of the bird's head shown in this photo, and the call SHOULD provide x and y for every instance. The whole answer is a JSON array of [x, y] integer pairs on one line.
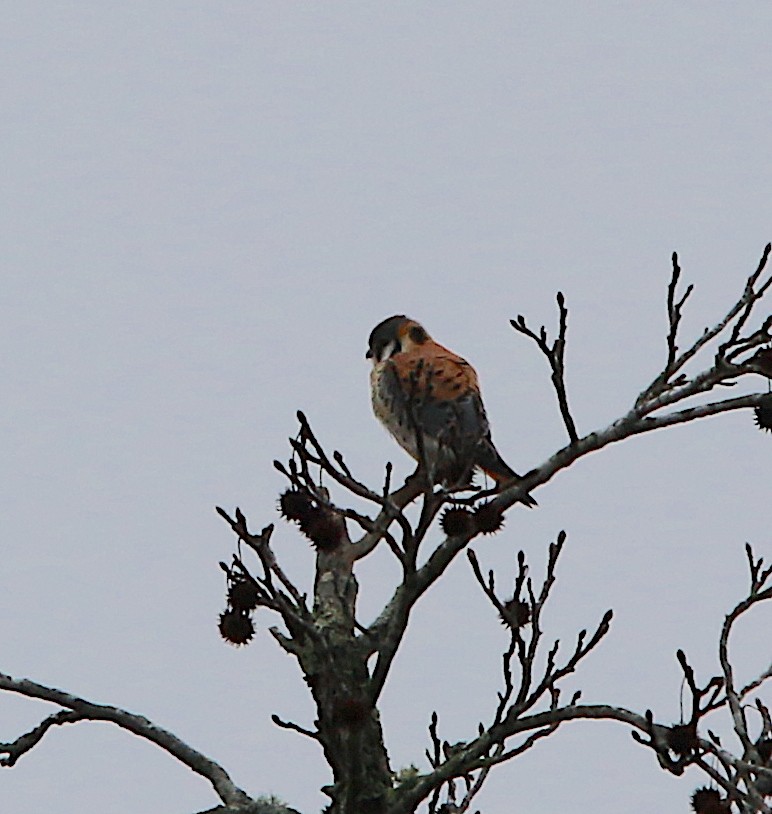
[[394, 335]]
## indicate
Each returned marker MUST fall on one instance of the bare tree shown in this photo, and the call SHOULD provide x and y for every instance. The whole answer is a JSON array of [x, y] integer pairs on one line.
[[346, 660]]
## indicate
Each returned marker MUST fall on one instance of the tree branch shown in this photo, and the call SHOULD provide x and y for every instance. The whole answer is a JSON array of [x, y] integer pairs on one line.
[[743, 306], [625, 427], [138, 725], [757, 593], [475, 752], [293, 727], [555, 356], [28, 740]]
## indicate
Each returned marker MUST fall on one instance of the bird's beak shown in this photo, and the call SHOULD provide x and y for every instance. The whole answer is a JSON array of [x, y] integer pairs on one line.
[[369, 354]]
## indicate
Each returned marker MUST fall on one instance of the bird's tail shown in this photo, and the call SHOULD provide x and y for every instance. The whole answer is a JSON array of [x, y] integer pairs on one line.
[[489, 460]]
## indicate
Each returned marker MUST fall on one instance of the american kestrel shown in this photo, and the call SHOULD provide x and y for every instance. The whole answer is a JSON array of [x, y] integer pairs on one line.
[[420, 389]]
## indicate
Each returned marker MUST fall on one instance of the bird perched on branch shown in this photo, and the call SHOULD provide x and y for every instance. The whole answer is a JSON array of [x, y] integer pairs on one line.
[[428, 398]]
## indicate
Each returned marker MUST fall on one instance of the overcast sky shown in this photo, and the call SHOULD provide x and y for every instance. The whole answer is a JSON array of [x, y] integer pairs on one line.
[[208, 206]]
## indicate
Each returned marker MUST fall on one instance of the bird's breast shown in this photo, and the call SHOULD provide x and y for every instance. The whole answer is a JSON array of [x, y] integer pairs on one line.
[[390, 407]]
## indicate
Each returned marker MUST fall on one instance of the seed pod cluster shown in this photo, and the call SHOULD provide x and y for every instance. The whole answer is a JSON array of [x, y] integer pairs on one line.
[[243, 596], [321, 525]]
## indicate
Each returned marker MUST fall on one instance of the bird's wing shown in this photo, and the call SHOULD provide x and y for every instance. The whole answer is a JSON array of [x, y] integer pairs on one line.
[[443, 388], [436, 370]]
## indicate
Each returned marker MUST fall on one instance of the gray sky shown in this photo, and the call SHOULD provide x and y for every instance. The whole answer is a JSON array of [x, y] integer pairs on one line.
[[207, 207]]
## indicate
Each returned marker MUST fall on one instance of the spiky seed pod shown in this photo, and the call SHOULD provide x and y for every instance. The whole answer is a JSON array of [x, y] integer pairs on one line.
[[763, 414], [236, 627], [709, 801], [295, 505], [457, 522], [488, 518], [243, 595], [323, 529], [682, 739], [350, 711], [516, 613]]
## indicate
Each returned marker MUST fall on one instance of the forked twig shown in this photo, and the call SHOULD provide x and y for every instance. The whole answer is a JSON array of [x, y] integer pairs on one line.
[[556, 357]]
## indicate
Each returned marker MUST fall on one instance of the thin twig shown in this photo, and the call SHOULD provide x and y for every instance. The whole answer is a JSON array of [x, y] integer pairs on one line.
[[556, 357], [295, 727]]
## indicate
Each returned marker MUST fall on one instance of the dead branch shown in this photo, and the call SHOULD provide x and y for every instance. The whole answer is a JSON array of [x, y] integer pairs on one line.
[[747, 768], [80, 709], [293, 727], [556, 357], [260, 544], [28, 740], [489, 748], [391, 504], [740, 312], [475, 752]]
